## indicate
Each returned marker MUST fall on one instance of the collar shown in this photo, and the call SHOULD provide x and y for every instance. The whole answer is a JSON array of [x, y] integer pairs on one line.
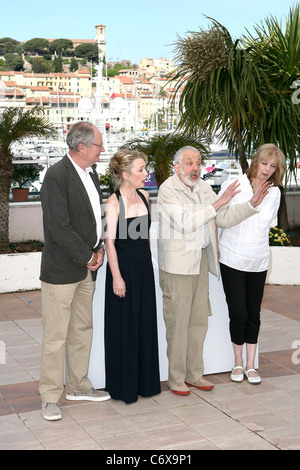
[[78, 168]]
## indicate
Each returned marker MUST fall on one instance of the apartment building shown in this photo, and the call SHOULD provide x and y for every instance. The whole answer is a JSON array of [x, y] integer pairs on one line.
[[57, 93], [156, 67], [140, 95]]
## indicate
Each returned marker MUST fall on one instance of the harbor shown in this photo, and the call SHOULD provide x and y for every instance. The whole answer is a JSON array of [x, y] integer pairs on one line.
[[216, 169]]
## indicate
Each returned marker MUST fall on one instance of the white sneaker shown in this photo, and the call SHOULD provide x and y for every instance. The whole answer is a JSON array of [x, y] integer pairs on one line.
[[51, 411], [89, 395]]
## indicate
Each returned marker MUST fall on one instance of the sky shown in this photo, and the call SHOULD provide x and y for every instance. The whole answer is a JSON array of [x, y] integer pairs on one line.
[[135, 29]]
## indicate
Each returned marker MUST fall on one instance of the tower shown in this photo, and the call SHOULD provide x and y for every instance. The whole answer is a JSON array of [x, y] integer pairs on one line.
[[100, 39]]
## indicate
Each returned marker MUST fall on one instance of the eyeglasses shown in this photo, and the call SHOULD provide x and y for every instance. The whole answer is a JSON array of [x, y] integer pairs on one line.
[[98, 145]]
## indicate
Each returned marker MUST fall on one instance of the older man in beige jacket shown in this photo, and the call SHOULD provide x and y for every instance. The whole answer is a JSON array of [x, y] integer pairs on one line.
[[189, 213]]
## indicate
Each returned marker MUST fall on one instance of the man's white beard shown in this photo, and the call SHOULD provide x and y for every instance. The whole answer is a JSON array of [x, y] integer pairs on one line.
[[187, 180]]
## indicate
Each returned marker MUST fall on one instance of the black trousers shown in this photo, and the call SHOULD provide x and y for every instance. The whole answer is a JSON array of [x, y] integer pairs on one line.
[[244, 293]]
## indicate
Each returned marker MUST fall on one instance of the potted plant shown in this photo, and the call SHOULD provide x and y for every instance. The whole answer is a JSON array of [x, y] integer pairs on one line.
[[15, 125], [23, 175], [278, 237], [106, 183]]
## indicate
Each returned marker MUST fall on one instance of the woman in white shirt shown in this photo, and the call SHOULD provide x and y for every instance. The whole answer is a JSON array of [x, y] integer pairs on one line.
[[245, 255]]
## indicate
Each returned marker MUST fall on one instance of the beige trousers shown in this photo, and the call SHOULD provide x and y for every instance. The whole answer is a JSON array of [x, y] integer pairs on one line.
[[186, 308], [68, 330]]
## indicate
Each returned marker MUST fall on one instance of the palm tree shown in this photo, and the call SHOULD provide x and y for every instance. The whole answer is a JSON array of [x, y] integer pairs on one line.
[[15, 124], [243, 89], [161, 148], [276, 51], [220, 86]]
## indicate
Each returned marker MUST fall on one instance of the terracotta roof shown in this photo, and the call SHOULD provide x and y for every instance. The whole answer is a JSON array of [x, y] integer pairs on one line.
[[15, 92], [84, 41], [39, 88], [122, 95], [125, 80], [10, 83]]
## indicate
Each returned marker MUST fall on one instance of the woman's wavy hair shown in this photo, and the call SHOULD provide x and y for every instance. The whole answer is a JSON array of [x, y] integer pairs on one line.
[[123, 161], [265, 152]]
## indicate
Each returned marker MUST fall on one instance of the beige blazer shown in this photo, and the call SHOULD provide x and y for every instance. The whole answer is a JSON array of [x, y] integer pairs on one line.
[[185, 226]]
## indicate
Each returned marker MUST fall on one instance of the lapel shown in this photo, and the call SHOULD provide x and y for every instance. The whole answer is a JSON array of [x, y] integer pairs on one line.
[[95, 179], [73, 175], [204, 191]]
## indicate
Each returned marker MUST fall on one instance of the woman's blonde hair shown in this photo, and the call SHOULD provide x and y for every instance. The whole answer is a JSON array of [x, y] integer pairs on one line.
[[265, 152], [123, 161]]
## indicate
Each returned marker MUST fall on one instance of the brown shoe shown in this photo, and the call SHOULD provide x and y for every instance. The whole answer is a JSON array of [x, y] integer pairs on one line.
[[201, 383], [178, 389]]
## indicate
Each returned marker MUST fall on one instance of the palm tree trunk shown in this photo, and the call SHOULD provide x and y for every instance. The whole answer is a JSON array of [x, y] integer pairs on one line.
[[4, 216], [242, 153], [283, 222]]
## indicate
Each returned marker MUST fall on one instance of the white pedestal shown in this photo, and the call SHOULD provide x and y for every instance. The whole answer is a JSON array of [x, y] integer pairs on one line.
[[217, 355]]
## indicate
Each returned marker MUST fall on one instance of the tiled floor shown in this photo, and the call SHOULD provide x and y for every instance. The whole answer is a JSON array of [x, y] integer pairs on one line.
[[232, 416]]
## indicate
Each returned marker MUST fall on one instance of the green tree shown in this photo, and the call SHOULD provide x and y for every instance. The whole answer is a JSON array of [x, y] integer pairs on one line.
[[243, 89], [73, 65], [57, 64], [115, 70], [87, 51], [8, 45], [36, 46], [26, 173], [15, 124], [40, 65], [60, 46], [14, 61], [276, 51], [161, 148], [220, 86]]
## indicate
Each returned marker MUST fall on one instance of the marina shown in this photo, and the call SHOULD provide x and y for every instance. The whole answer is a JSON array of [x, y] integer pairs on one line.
[[219, 167]]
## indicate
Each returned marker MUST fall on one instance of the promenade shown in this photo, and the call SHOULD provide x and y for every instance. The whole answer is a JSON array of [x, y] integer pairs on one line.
[[230, 417]]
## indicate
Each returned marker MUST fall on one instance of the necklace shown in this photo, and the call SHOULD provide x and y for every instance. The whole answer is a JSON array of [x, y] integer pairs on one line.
[[253, 186]]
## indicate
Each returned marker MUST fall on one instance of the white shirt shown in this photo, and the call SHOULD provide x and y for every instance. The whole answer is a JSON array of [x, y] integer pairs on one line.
[[245, 246], [93, 195]]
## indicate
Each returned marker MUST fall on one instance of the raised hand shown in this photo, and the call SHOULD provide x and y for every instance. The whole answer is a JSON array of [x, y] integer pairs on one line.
[[259, 194], [230, 192]]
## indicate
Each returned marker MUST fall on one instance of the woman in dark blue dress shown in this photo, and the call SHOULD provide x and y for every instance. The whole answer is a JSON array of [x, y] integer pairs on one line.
[[131, 345]]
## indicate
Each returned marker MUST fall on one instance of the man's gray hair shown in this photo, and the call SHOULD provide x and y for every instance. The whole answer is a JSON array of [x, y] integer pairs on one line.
[[178, 155], [82, 132]]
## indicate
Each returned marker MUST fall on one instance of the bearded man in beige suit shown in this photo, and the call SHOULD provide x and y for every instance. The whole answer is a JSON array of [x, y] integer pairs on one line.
[[189, 213]]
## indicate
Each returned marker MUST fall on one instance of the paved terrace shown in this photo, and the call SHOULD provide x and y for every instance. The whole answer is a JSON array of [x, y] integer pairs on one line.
[[232, 416]]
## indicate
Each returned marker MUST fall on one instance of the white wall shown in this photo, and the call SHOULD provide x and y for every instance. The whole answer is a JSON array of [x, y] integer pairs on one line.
[[26, 219]]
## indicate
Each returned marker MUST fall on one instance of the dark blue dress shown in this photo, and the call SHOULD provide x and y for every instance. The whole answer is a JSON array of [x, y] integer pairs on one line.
[[131, 345]]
